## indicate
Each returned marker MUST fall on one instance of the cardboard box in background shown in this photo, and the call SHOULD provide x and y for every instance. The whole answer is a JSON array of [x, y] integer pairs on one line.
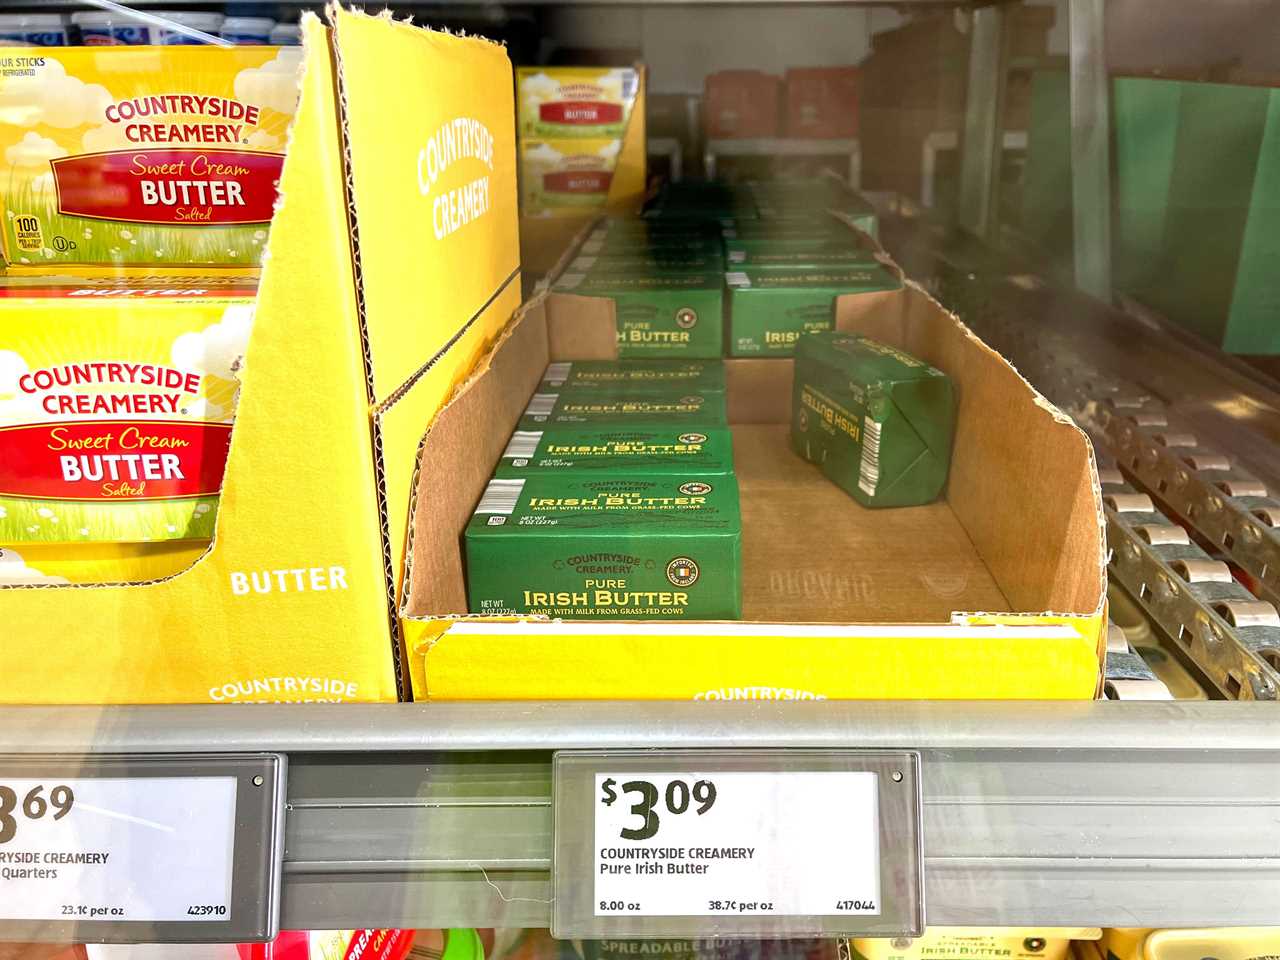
[[742, 104], [821, 102], [349, 358], [912, 88], [879, 612]]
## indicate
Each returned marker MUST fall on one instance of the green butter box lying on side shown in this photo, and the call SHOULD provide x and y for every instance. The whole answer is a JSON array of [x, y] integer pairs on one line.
[[634, 406], [624, 448], [676, 315], [770, 308], [583, 547], [667, 377], [877, 421]]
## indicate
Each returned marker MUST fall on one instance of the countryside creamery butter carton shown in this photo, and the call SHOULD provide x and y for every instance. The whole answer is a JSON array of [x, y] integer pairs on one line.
[[647, 546], [566, 175], [664, 376], [558, 102], [878, 421], [630, 407], [627, 449], [142, 155], [116, 411], [674, 315], [975, 943], [770, 308]]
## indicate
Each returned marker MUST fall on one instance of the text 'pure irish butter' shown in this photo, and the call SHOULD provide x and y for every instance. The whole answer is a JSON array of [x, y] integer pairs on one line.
[[606, 547]]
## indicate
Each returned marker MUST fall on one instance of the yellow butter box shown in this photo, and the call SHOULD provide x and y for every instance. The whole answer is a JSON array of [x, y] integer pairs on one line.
[[976, 943], [116, 409], [562, 102], [560, 174], [136, 155]]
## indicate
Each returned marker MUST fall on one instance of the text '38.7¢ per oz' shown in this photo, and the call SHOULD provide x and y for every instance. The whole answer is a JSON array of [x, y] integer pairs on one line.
[[737, 843]]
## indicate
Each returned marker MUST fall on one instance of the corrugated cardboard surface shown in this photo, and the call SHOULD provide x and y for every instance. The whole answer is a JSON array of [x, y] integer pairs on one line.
[[906, 565], [421, 287], [811, 554]]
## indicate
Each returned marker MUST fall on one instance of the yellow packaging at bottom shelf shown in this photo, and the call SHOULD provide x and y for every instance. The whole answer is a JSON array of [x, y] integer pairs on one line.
[[976, 943], [1222, 943], [116, 409]]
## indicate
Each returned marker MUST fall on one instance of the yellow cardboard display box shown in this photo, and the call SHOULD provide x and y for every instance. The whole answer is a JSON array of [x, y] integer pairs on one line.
[[392, 265], [994, 591]]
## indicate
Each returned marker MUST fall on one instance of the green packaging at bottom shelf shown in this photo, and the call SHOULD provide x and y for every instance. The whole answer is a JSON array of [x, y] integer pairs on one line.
[[649, 547], [770, 308], [878, 421], [668, 315]]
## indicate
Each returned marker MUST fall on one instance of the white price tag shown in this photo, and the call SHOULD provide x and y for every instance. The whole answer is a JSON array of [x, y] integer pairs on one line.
[[778, 843], [117, 849]]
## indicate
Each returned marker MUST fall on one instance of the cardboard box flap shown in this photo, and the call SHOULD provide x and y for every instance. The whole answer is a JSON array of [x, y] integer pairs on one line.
[[433, 194]]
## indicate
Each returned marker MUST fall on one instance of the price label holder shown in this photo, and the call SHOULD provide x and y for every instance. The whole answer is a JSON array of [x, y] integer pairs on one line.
[[141, 848], [745, 843]]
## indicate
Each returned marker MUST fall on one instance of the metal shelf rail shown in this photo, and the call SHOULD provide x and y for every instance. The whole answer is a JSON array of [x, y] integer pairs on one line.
[[1053, 814]]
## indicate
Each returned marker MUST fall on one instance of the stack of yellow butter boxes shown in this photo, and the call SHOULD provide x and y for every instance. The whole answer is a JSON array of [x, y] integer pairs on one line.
[[582, 139], [237, 288]]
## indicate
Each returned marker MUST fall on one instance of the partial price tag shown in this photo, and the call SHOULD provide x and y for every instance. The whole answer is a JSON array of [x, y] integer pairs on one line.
[[765, 843], [106, 847]]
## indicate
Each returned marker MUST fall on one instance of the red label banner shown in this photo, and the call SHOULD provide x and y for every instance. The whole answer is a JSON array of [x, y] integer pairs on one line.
[[188, 185], [584, 112], [577, 181], [114, 460]]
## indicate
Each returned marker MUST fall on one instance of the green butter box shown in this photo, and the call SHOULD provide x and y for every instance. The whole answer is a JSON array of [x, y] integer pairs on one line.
[[634, 244], [651, 547], [632, 406], [770, 308], [623, 448], [877, 421], [667, 377], [807, 256], [656, 262], [674, 315]]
